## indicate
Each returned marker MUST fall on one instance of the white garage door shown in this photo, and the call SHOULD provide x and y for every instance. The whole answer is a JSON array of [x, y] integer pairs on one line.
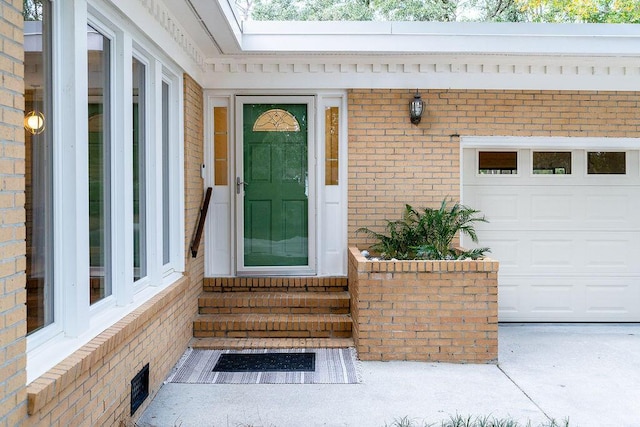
[[565, 226]]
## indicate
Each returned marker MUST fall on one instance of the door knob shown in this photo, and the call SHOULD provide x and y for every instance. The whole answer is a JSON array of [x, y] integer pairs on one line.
[[240, 185]]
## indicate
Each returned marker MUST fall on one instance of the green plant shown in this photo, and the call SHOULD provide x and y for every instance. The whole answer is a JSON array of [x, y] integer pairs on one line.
[[404, 422], [470, 421], [401, 238], [428, 234]]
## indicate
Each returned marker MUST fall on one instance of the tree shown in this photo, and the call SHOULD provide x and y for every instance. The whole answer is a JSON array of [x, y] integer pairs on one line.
[[244, 8], [593, 11], [32, 10], [417, 10], [313, 10], [599, 11], [495, 10]]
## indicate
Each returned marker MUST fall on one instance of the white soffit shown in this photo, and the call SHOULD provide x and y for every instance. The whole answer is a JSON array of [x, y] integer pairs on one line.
[[159, 23], [219, 21]]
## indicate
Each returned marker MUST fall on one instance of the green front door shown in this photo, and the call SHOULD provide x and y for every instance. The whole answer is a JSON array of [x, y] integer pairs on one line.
[[275, 185]]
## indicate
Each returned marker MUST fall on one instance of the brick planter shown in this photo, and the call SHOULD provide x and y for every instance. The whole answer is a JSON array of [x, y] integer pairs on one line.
[[441, 311]]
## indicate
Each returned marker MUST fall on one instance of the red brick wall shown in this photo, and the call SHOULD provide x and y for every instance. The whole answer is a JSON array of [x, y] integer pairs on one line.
[[392, 162]]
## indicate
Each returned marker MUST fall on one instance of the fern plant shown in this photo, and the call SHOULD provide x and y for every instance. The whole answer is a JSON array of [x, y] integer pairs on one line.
[[401, 238], [428, 234]]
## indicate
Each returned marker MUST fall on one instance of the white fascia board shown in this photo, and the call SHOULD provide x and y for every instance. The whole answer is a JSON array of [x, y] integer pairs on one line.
[[452, 37], [423, 71], [548, 142], [219, 19]]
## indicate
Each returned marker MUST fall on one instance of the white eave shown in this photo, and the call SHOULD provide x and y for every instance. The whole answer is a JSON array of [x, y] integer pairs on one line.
[[438, 38], [304, 55]]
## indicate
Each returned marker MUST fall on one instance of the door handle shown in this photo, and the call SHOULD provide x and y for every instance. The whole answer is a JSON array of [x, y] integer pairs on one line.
[[240, 185]]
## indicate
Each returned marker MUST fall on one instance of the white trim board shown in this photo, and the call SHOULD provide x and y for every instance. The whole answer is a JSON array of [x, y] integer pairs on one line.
[[514, 72], [549, 142]]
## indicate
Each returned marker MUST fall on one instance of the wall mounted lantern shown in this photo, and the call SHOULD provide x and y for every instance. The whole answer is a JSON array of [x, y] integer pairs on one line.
[[416, 106], [34, 122]]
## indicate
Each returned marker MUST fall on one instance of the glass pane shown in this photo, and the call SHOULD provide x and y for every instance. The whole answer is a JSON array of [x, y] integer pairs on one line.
[[99, 164], [331, 136], [139, 172], [221, 137], [38, 165], [166, 253], [498, 162], [276, 188], [606, 163], [551, 163]]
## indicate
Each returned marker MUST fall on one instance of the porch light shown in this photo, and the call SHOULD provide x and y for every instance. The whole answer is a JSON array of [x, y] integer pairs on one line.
[[416, 106], [34, 122]]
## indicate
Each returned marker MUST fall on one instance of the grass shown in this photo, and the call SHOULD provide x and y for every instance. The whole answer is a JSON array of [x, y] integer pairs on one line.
[[470, 421]]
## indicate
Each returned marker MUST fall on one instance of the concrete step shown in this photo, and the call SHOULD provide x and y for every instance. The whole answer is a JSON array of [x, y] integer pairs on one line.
[[272, 326], [274, 302]]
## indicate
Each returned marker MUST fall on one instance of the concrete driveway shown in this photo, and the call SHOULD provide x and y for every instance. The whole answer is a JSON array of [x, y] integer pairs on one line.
[[588, 373]]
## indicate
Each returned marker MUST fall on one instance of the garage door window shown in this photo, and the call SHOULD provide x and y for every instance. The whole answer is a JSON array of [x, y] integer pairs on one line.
[[498, 162], [551, 163], [606, 163]]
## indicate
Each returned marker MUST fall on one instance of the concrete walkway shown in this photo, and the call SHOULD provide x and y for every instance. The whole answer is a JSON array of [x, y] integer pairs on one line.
[[589, 373]]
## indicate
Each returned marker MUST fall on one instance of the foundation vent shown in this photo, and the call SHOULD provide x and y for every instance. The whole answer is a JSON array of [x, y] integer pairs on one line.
[[139, 388]]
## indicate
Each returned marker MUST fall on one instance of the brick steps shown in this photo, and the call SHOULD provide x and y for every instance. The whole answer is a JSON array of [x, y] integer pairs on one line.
[[273, 312], [273, 326], [247, 343], [275, 284], [274, 303]]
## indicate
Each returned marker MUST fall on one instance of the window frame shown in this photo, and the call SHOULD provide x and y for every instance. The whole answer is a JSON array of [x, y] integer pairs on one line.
[[498, 150], [115, 123], [572, 159], [144, 58], [76, 321], [596, 150]]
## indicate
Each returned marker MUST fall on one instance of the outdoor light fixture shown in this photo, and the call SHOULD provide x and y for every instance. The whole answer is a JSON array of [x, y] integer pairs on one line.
[[34, 122], [415, 108]]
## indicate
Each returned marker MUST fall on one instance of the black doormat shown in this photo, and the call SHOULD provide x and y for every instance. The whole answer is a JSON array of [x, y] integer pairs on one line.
[[266, 362]]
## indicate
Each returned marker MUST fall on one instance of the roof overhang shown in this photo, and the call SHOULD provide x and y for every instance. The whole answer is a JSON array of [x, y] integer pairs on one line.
[[440, 38], [275, 55]]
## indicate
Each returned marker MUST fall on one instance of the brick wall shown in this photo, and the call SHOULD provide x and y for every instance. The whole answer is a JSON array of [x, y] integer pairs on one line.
[[441, 311], [92, 386], [392, 162], [13, 325], [193, 160]]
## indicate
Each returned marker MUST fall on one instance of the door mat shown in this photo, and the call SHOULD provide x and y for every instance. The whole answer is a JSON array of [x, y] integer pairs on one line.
[[332, 366], [266, 362]]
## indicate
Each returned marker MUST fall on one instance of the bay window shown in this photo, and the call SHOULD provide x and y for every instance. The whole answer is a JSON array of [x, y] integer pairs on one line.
[[104, 194]]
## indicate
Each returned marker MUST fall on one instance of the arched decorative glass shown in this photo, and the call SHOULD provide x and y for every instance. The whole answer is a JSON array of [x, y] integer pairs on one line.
[[276, 120]]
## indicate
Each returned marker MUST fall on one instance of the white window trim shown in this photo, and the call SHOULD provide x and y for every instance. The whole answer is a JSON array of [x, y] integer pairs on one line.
[[176, 189], [76, 322], [143, 58], [548, 143]]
